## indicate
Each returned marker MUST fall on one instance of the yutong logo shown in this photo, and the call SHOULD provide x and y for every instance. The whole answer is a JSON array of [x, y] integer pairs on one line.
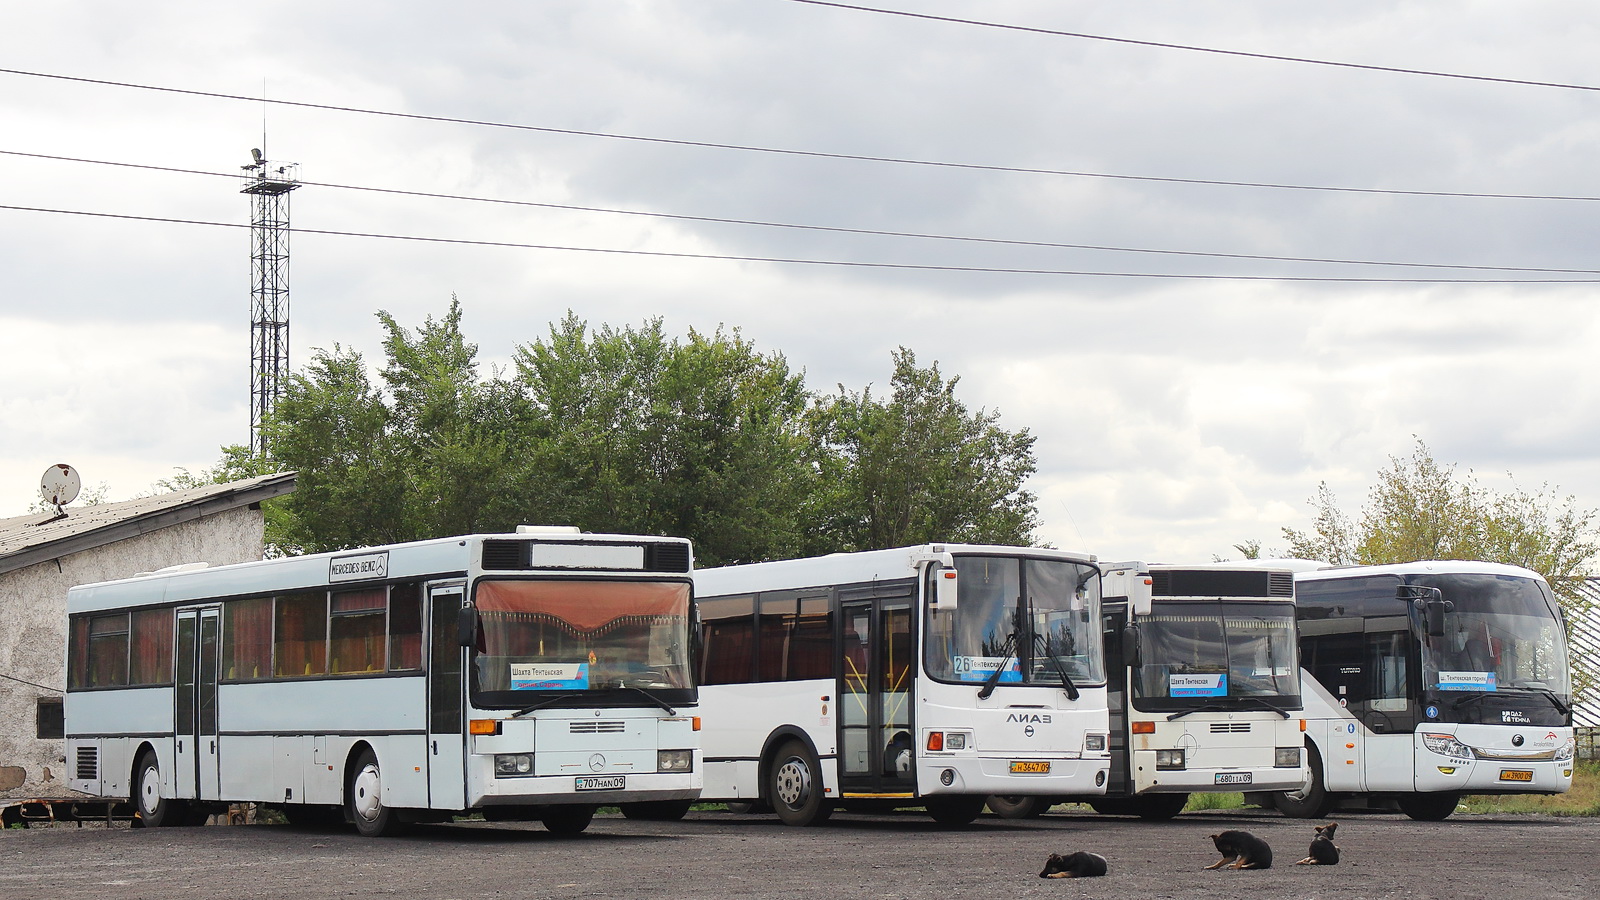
[[1029, 718]]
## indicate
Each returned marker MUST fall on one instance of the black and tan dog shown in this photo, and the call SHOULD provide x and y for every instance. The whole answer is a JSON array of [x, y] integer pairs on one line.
[[1243, 849], [1074, 865], [1322, 852]]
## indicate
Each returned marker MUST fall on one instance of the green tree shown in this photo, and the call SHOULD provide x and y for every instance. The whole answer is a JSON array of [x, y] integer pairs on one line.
[[919, 466]]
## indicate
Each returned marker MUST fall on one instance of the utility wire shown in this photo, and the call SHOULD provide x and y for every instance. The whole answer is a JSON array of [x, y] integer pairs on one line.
[[835, 229], [780, 151], [816, 262], [42, 687], [1167, 46]]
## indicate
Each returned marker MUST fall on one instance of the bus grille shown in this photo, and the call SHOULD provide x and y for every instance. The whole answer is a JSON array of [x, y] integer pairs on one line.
[[1280, 584], [1230, 727], [597, 728], [505, 555], [88, 764]]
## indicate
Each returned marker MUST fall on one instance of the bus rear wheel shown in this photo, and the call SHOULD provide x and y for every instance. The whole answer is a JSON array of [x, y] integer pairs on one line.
[[1312, 800], [794, 786], [1158, 807], [657, 810], [155, 810], [954, 812], [567, 819], [1018, 807], [364, 798], [1433, 807]]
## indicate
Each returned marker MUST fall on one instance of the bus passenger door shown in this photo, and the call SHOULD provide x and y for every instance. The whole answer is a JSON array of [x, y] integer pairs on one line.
[[196, 761], [876, 738], [446, 734]]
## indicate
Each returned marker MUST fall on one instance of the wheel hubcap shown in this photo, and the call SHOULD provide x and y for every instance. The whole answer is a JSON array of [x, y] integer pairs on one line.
[[368, 791], [793, 783], [150, 790]]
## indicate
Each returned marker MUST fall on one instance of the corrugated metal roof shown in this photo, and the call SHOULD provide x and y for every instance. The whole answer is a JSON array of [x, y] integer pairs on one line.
[[26, 540]]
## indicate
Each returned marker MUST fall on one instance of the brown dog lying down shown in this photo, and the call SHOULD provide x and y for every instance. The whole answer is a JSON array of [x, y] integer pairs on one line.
[[1074, 865], [1243, 849], [1323, 852]]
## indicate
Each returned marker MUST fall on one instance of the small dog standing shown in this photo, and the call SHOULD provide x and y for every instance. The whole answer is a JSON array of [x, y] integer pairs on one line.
[[1322, 852], [1074, 865], [1243, 849]]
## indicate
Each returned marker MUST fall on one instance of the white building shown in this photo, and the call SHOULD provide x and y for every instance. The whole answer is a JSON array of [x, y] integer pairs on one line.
[[42, 555]]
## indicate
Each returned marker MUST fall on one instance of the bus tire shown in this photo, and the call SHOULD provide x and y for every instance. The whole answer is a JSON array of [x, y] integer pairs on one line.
[[567, 819], [1112, 806], [1018, 807], [1312, 800], [1430, 807], [1158, 807], [954, 812], [155, 811], [657, 810], [364, 798], [794, 786]]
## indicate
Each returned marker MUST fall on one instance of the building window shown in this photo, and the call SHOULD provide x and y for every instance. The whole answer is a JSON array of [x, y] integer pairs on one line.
[[49, 721]]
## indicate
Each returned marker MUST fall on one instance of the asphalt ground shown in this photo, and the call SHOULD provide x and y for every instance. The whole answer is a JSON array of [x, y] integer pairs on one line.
[[714, 855]]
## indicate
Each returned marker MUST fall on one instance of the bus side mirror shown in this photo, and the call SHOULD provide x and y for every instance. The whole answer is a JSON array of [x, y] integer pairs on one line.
[[1140, 592], [467, 626], [944, 589], [1130, 646], [1432, 603], [1435, 614]]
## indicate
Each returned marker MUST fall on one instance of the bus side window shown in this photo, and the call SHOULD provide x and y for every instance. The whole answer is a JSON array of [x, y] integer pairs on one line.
[[405, 627], [727, 654]]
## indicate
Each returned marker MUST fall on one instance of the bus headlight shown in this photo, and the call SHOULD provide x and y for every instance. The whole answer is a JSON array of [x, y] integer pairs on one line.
[[1169, 759], [513, 764], [955, 740], [1286, 758], [1094, 743], [1446, 745], [674, 760], [1566, 750]]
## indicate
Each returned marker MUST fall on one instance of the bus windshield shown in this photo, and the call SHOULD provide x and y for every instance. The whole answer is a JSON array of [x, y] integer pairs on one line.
[[1193, 653], [1032, 619], [1501, 633], [537, 637]]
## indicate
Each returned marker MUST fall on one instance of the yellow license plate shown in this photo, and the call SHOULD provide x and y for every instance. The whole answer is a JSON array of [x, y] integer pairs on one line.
[[1515, 775], [1031, 767]]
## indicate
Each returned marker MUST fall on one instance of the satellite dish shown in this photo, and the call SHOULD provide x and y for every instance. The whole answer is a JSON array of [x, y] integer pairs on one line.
[[60, 485], [256, 153]]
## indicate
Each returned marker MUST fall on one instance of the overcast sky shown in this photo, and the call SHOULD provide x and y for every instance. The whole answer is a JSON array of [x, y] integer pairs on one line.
[[1175, 416]]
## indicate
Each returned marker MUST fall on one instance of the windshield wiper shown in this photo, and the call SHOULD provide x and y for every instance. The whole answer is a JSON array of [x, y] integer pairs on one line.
[[1237, 701], [648, 696], [1554, 698], [994, 677], [1470, 698], [548, 701], [1066, 680]]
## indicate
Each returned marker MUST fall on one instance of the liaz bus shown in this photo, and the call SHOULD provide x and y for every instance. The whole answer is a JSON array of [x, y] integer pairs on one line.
[[1429, 680], [534, 675], [1204, 687], [929, 676]]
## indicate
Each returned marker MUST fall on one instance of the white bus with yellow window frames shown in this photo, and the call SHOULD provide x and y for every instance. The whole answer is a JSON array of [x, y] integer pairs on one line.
[[929, 676], [534, 675]]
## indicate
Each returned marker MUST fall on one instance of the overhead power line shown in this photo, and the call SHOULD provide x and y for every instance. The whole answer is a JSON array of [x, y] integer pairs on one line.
[[1195, 49], [783, 151], [834, 229], [817, 262]]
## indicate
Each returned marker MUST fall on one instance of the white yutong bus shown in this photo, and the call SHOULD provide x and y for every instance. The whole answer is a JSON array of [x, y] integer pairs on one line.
[[1204, 687], [929, 676], [534, 675], [1429, 680]]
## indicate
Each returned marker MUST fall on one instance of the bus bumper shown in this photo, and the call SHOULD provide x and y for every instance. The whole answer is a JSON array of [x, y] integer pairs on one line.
[[992, 775]]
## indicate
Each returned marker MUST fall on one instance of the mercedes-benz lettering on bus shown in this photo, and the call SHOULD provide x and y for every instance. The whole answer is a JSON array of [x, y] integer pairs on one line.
[[530, 675], [1429, 680], [1205, 684], [928, 676]]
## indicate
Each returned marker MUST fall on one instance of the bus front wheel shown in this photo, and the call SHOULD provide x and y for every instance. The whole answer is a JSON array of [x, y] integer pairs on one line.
[[364, 798], [1312, 800], [567, 819], [794, 786], [954, 812], [1158, 807], [1433, 807], [155, 810]]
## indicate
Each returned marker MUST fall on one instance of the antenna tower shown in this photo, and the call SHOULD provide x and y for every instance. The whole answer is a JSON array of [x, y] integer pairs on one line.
[[268, 185]]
